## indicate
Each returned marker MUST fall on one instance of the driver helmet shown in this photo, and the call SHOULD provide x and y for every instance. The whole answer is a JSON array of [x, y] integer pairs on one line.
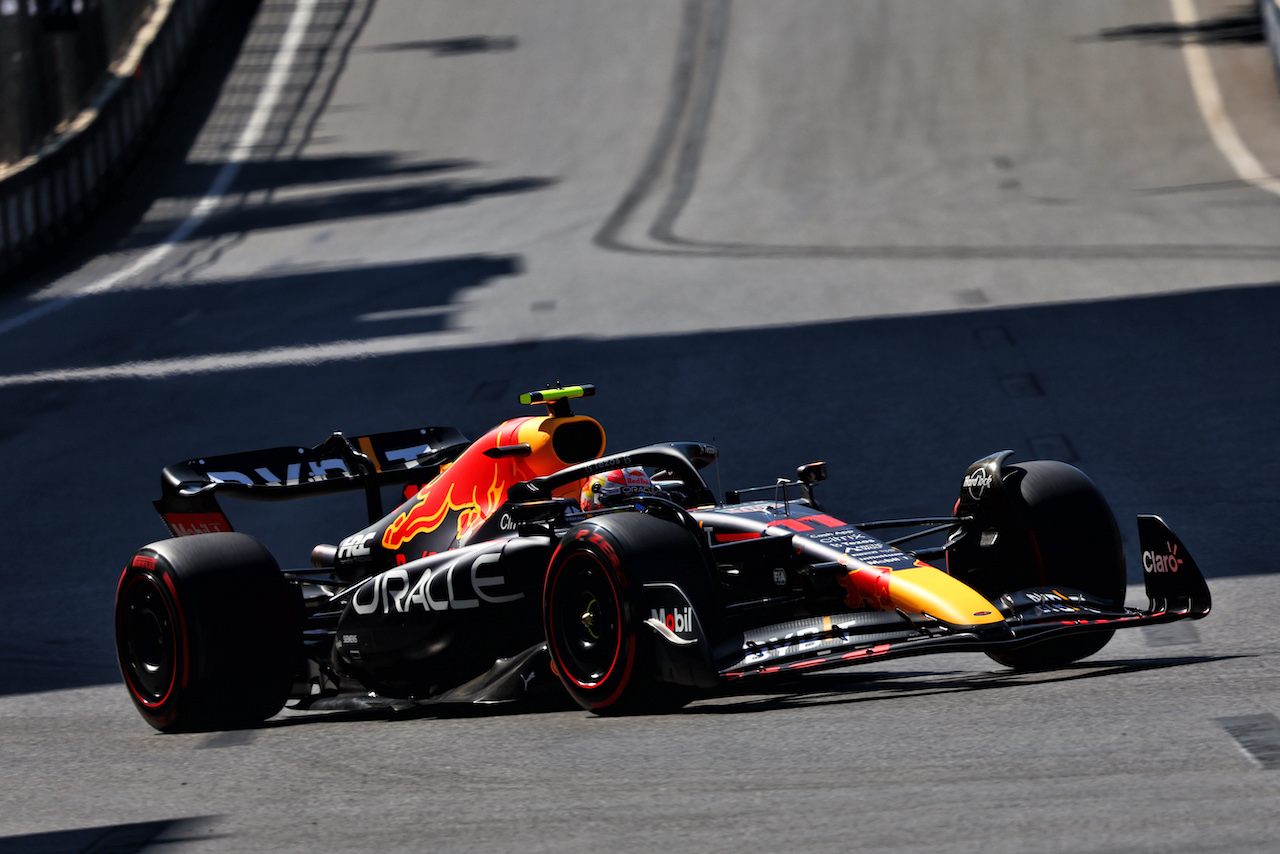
[[612, 488]]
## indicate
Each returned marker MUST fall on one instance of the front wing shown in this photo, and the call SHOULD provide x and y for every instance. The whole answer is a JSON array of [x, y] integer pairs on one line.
[[1175, 588]]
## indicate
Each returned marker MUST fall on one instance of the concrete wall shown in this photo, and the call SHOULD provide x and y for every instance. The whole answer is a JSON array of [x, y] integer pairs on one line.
[[47, 195]]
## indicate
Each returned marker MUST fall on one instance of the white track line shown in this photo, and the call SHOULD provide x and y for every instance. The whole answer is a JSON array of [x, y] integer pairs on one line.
[[250, 136], [279, 357], [1209, 99]]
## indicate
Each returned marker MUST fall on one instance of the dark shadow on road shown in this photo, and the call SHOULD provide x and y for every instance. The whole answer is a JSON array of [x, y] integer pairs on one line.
[[115, 838], [559, 701], [1240, 26], [324, 207], [847, 687], [750, 696], [196, 178], [461, 46]]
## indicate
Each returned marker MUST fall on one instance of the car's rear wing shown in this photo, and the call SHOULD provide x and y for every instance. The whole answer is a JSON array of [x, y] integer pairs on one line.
[[188, 500]]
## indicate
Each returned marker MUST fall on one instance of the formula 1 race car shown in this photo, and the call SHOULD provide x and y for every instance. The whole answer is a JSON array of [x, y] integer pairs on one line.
[[527, 558]]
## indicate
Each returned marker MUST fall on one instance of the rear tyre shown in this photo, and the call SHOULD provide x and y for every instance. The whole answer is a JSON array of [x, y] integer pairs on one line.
[[593, 611], [1075, 543], [208, 632]]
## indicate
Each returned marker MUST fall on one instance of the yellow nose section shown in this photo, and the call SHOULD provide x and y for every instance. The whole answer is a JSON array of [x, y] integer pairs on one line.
[[921, 589]]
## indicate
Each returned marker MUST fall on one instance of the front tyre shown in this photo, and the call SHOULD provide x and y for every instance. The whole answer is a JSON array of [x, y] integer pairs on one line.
[[207, 632], [593, 610], [1073, 541]]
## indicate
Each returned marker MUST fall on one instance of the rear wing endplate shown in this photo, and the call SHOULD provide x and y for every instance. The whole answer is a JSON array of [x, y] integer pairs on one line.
[[188, 499]]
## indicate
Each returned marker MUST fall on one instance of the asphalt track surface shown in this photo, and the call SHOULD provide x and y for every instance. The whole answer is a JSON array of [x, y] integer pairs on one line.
[[896, 236]]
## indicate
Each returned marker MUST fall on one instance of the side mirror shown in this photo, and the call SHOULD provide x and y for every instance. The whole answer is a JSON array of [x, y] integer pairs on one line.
[[811, 473]]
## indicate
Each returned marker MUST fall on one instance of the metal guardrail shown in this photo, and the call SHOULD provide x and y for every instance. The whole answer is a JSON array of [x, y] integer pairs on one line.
[[46, 197], [1270, 12]]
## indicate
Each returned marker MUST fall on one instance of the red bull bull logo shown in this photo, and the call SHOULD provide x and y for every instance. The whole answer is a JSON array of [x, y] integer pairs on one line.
[[867, 587], [436, 503]]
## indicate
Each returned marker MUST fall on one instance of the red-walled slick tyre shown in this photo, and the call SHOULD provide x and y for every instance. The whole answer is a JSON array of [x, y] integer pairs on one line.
[[593, 610], [207, 632]]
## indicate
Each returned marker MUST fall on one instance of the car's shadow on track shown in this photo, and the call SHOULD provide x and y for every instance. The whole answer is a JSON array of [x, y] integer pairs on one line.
[[832, 689], [360, 711], [814, 689]]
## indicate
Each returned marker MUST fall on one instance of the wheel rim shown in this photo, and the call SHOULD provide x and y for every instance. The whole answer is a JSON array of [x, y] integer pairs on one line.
[[586, 620], [147, 641]]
